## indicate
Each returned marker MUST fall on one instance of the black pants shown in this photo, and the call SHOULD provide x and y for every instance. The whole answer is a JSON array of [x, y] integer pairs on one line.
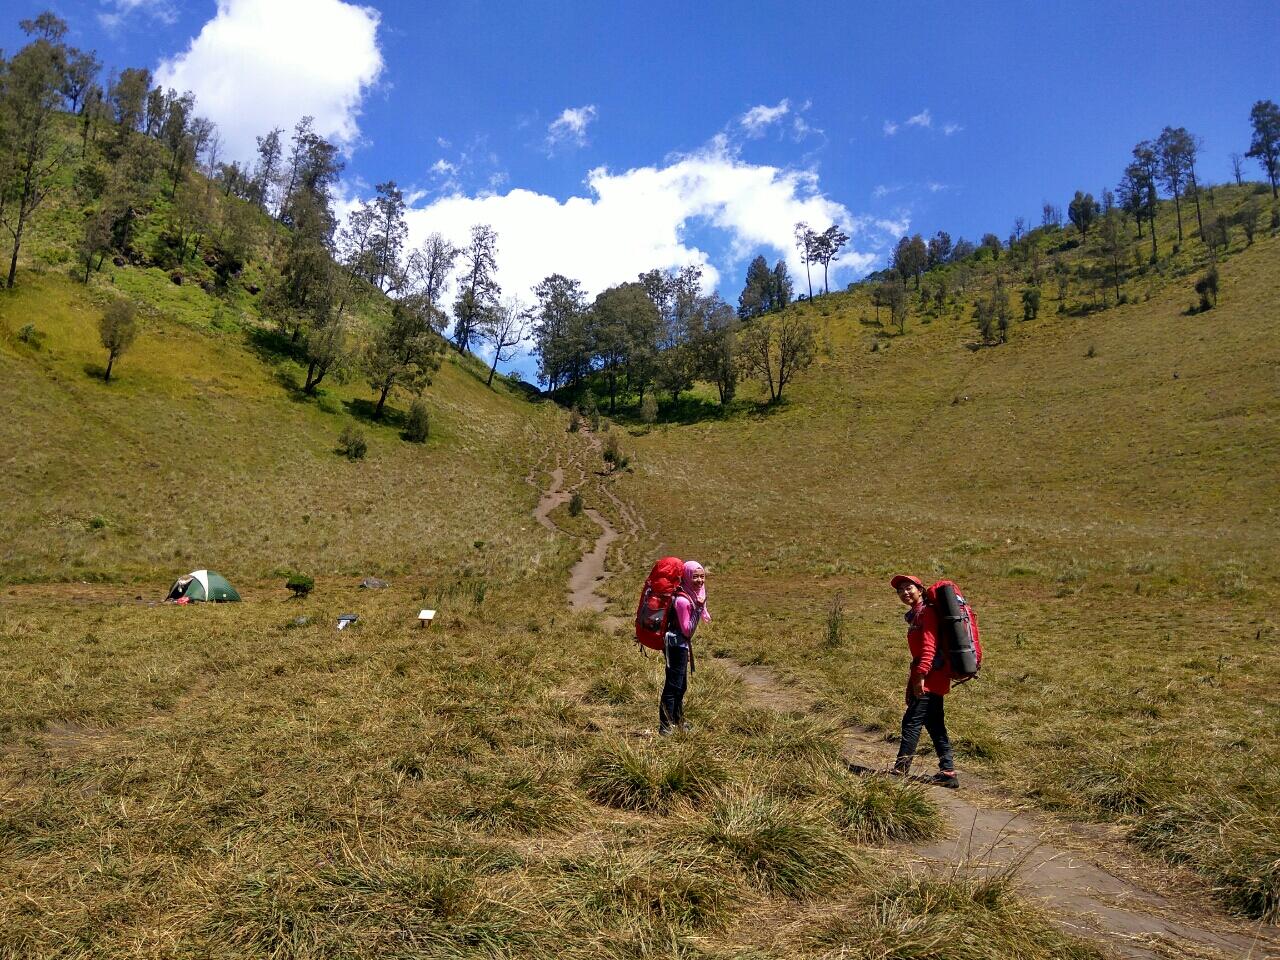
[[926, 712], [671, 708]]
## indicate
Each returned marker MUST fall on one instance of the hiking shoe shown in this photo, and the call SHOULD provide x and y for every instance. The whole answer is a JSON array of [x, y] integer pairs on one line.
[[901, 767], [686, 727], [947, 778], [666, 731]]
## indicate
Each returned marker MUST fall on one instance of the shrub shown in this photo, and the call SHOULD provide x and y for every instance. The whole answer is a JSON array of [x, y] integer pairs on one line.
[[619, 776], [417, 425], [300, 584], [613, 455], [575, 504], [575, 420], [1207, 286], [30, 335], [1091, 352], [351, 443], [649, 409]]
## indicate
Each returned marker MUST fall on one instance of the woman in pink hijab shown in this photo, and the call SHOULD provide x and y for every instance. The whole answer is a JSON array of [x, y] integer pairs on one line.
[[688, 609]]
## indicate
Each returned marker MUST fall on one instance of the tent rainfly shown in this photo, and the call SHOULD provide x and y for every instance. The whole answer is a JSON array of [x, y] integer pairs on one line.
[[203, 585]]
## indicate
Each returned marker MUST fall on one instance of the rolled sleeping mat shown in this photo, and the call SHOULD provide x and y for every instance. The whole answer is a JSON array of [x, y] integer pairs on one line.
[[955, 631]]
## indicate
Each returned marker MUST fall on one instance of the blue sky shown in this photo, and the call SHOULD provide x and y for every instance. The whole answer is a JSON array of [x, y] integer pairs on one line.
[[601, 138]]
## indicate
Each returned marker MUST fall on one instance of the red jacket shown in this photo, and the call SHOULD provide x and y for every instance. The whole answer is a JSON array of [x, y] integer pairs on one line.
[[922, 639]]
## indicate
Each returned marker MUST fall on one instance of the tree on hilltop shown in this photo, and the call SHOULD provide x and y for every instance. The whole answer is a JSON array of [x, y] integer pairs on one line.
[[266, 173], [939, 250], [1176, 150], [560, 331], [479, 289], [388, 236], [30, 155], [807, 244], [1265, 146], [1237, 168], [616, 313], [1082, 211], [827, 250], [757, 294], [1142, 174], [911, 258]]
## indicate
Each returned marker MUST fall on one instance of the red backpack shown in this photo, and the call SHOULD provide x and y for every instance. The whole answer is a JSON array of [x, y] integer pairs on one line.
[[655, 601], [957, 630]]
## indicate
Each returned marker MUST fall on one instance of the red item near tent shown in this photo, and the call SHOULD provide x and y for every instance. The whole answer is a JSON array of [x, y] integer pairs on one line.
[[655, 601]]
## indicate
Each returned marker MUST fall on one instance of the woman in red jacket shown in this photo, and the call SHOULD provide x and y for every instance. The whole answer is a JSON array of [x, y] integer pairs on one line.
[[927, 683]]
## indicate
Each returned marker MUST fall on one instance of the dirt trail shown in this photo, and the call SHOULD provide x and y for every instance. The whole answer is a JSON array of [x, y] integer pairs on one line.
[[1087, 899], [590, 570], [1060, 864]]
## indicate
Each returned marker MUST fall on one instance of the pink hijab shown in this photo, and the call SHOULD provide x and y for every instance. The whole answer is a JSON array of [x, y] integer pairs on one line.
[[699, 594]]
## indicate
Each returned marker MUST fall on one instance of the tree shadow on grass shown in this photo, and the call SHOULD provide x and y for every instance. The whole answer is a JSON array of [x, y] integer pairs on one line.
[[272, 345], [362, 410], [688, 411], [95, 370]]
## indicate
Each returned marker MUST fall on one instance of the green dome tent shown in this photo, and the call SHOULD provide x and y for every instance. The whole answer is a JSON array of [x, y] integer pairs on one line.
[[203, 585]]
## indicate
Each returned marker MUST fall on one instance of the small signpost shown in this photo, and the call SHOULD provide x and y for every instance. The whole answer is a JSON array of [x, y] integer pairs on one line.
[[425, 617]]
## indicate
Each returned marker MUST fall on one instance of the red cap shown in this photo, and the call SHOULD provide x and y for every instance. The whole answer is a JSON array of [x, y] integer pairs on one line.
[[903, 578]]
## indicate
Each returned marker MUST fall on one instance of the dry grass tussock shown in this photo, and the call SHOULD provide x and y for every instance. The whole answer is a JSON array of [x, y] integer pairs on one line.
[[221, 781], [1109, 516]]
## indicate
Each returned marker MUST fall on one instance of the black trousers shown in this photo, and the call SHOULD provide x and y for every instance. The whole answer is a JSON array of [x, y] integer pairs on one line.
[[926, 712], [671, 707]]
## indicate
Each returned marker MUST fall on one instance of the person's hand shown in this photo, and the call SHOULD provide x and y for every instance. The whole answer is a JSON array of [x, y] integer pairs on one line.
[[916, 687]]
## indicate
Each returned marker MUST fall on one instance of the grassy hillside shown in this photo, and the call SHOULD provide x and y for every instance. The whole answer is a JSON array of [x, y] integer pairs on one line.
[[199, 453], [1104, 486]]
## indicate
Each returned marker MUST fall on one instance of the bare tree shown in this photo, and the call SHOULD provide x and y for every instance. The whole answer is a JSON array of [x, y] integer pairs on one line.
[[504, 326], [1237, 168]]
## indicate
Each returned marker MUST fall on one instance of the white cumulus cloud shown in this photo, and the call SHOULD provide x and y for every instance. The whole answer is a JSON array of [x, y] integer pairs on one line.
[[921, 119], [571, 126], [645, 217], [259, 64]]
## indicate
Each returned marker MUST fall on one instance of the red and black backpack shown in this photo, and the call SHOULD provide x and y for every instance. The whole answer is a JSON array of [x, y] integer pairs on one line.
[[656, 599], [957, 630]]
